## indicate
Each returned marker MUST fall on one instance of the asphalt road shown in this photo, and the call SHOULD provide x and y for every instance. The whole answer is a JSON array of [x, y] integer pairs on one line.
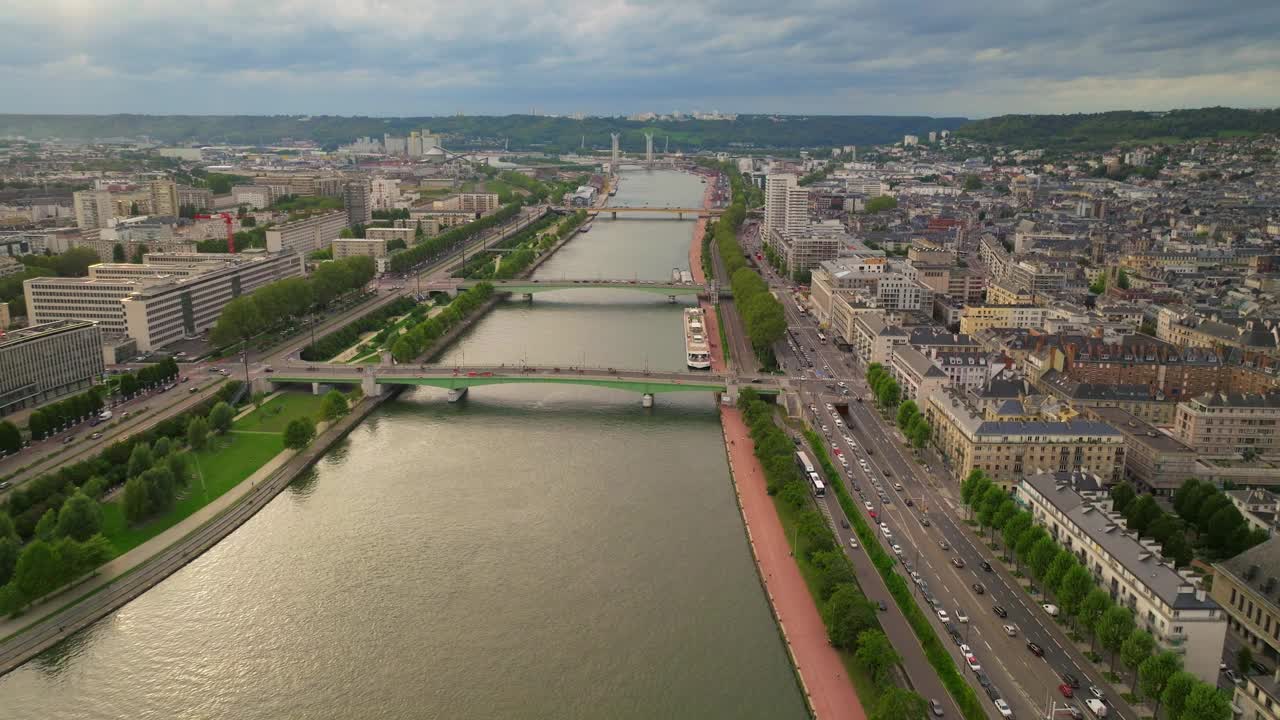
[[1028, 683]]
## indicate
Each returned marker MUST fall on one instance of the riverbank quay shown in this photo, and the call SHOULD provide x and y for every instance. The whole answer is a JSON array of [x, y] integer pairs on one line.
[[135, 572], [826, 685]]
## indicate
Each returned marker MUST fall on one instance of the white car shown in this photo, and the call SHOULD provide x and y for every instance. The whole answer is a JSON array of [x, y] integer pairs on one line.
[[943, 616], [897, 550], [961, 617], [1003, 708], [853, 543], [965, 650], [867, 504], [1011, 630]]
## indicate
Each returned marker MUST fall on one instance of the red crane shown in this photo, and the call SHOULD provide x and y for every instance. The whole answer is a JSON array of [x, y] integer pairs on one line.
[[231, 235]]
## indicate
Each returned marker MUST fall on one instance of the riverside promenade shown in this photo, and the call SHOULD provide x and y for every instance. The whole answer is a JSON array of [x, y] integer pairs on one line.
[[826, 686]]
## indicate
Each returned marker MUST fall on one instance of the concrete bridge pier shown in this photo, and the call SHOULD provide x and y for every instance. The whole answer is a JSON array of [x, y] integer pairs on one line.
[[646, 400], [528, 297], [319, 388], [369, 385]]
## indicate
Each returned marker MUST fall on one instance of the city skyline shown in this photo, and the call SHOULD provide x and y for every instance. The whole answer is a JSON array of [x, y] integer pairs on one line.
[[403, 59]]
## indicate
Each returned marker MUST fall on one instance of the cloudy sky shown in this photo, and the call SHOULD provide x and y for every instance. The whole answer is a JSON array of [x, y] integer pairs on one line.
[[427, 57]]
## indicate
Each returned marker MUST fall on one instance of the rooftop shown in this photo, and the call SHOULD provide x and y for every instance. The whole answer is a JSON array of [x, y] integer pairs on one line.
[[27, 334], [1257, 568]]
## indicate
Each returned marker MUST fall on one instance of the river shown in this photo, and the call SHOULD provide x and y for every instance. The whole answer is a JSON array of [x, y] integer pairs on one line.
[[529, 552]]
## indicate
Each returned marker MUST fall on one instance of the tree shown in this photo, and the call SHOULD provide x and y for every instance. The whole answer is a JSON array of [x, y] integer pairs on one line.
[[1092, 609], [907, 412], [80, 517], [220, 418], [1042, 556], [1121, 496], [47, 528], [117, 253], [880, 203], [197, 433], [1122, 280], [1154, 675], [847, 614], [1244, 659], [898, 704], [333, 406], [972, 182], [1204, 702], [1073, 589], [136, 500], [36, 572], [161, 491], [9, 551], [239, 321], [921, 431], [1178, 549], [834, 570], [10, 438], [1058, 569], [1136, 650], [877, 655], [1177, 691], [299, 433], [1141, 513], [139, 253], [179, 465], [1114, 628], [140, 460]]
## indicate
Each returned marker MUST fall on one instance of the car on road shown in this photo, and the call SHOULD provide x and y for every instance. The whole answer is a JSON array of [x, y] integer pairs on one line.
[[999, 611], [961, 616], [979, 588], [985, 565], [1075, 712], [853, 543], [982, 679], [1003, 708], [881, 606], [867, 504], [897, 486], [1051, 609], [1035, 649], [946, 547], [897, 550], [1234, 677], [935, 707], [1259, 669], [943, 616], [194, 390], [872, 513], [1070, 679], [5, 485], [1066, 690], [912, 503], [957, 561], [973, 663], [185, 378], [1011, 630], [992, 691], [96, 436], [916, 577], [68, 439], [1096, 691]]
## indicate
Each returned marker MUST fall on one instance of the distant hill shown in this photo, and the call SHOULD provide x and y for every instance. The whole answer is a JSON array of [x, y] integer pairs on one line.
[[524, 132], [1102, 130]]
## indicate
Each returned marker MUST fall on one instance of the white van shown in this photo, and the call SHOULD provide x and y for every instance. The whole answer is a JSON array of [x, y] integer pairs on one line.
[[1097, 707]]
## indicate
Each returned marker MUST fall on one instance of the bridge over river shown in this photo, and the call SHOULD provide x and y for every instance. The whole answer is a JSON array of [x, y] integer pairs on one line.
[[528, 287], [373, 379]]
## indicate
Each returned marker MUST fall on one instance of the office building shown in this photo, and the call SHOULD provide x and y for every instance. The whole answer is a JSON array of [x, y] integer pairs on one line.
[[1219, 423], [163, 300], [357, 201], [94, 208], [1153, 461], [1007, 449], [46, 361], [307, 235], [1170, 605]]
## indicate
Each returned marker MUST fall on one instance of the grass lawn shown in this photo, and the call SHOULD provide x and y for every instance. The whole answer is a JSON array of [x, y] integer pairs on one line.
[[229, 460], [277, 412], [866, 688]]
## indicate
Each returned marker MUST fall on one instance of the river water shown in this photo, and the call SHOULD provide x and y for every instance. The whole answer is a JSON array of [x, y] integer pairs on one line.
[[531, 552]]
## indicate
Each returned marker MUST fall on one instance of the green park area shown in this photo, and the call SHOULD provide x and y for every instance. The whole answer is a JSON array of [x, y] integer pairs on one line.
[[228, 460]]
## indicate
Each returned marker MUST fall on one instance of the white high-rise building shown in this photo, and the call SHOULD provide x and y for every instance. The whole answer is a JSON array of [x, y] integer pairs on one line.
[[775, 202], [385, 193], [94, 209]]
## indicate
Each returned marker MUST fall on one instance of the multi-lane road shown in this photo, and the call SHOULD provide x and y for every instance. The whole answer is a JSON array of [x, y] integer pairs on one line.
[[946, 553]]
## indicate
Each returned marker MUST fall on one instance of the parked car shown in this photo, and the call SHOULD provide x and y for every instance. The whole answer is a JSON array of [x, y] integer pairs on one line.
[[1003, 708], [1051, 609], [961, 616], [935, 707], [943, 616]]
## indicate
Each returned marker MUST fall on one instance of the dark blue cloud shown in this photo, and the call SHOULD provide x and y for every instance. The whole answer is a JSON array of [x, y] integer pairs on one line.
[[608, 56]]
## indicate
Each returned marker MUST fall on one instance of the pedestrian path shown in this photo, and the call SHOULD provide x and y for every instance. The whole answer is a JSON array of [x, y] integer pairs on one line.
[[824, 681]]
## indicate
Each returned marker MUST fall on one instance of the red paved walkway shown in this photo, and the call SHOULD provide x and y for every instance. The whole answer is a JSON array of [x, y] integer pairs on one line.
[[829, 688]]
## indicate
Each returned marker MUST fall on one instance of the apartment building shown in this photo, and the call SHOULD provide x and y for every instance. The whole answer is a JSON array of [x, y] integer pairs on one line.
[[254, 197], [1006, 449], [917, 374], [873, 338], [442, 219], [1153, 461], [806, 247], [158, 302], [357, 201], [307, 235], [193, 197], [348, 247], [93, 208], [1258, 698], [1220, 423], [1005, 293], [302, 184], [387, 234], [976, 318], [968, 286], [475, 203], [164, 197], [384, 193], [46, 361], [786, 206], [1170, 605], [1247, 586]]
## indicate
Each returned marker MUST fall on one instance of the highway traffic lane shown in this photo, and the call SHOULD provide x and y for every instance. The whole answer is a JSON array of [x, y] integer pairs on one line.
[[912, 536]]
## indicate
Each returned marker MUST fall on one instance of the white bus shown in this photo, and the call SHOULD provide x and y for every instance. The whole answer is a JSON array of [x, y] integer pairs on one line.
[[821, 337], [819, 489], [802, 461]]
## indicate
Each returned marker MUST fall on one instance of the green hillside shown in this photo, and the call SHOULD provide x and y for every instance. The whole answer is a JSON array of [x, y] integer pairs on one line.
[[1102, 130]]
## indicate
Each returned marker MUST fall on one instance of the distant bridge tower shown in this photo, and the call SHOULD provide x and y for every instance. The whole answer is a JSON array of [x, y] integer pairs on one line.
[[648, 149], [614, 154]]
